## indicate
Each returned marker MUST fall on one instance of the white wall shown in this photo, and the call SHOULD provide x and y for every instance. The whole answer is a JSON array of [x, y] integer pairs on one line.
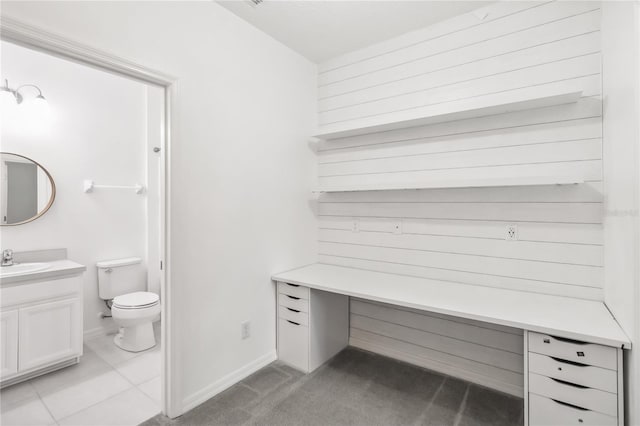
[[620, 32], [97, 131], [459, 235], [241, 170]]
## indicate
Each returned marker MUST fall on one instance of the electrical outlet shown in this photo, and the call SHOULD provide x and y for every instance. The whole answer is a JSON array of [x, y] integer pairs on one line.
[[397, 227], [512, 233], [355, 225], [245, 330]]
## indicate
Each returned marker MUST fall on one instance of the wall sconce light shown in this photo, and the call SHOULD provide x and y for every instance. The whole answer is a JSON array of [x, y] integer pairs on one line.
[[18, 97], [36, 107], [8, 95]]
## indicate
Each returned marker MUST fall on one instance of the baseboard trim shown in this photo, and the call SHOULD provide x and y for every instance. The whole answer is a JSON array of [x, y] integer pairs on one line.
[[99, 331], [39, 371], [439, 367], [227, 381]]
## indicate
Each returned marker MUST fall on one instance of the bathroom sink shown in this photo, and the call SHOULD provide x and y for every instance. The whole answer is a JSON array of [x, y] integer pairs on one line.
[[22, 269]]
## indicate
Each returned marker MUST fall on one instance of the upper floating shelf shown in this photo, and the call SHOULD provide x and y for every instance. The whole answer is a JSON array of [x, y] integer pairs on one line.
[[466, 183], [460, 110]]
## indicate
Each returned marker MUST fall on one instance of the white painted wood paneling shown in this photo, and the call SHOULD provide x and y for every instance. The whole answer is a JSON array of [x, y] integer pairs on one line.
[[582, 69], [573, 30], [473, 35], [440, 29], [494, 350], [459, 235]]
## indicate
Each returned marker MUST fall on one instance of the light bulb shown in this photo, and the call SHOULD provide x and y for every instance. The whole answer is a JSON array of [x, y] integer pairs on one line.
[[39, 107], [32, 116]]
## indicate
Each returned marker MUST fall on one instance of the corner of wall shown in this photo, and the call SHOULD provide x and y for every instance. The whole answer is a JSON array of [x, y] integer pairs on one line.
[[193, 400]]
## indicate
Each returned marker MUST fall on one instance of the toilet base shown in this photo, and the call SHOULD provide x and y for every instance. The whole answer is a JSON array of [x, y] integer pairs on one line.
[[136, 338]]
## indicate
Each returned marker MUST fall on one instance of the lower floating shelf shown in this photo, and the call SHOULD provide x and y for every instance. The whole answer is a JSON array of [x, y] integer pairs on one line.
[[467, 183]]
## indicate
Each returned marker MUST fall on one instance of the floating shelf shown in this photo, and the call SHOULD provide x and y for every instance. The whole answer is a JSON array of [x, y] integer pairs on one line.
[[466, 183], [460, 110]]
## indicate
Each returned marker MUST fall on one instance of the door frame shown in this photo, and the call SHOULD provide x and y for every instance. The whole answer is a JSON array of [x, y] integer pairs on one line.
[[34, 38]]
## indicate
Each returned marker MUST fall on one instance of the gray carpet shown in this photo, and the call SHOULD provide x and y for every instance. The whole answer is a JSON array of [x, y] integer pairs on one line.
[[354, 388]]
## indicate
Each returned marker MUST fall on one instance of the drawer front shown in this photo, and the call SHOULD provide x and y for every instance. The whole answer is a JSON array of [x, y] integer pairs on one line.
[[291, 315], [585, 375], [293, 344], [589, 398], [293, 302], [584, 353], [19, 294], [547, 412], [294, 290]]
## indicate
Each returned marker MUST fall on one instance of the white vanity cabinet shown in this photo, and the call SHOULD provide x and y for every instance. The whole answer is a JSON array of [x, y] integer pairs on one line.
[[41, 326]]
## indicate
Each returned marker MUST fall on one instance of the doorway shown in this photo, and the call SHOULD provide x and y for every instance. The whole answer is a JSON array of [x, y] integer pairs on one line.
[[50, 44]]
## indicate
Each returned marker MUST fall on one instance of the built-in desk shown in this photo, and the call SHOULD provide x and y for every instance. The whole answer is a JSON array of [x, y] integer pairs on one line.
[[560, 316], [575, 346]]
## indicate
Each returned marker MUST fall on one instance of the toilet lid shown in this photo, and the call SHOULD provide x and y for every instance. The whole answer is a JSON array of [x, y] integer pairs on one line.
[[139, 299]]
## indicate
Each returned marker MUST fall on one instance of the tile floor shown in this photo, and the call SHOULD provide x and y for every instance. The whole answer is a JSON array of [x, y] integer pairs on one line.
[[108, 387], [354, 388]]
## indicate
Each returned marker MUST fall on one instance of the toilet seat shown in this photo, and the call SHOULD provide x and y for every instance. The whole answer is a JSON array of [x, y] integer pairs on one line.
[[136, 300]]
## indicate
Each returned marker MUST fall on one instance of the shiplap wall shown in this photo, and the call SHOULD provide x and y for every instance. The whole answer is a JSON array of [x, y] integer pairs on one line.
[[459, 234]]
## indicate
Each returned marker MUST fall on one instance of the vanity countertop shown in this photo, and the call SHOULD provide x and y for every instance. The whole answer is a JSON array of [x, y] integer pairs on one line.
[[58, 268]]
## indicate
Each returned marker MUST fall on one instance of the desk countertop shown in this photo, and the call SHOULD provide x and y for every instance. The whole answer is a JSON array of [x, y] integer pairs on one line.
[[567, 317]]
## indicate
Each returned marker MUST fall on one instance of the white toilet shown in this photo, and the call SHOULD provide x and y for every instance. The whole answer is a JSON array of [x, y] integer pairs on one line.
[[134, 309]]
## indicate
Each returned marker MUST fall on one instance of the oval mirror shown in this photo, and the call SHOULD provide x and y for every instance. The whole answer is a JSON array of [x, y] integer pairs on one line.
[[27, 189]]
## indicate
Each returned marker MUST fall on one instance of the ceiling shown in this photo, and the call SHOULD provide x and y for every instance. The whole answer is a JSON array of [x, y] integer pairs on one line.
[[320, 30]]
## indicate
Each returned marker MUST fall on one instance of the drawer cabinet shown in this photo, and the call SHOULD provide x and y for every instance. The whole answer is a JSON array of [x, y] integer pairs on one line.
[[313, 326], [572, 382]]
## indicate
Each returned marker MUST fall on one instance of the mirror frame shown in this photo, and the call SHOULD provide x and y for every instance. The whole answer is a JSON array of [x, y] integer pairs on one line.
[[53, 191]]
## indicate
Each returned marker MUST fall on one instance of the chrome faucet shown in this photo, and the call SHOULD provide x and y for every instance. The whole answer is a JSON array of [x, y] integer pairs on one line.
[[7, 257]]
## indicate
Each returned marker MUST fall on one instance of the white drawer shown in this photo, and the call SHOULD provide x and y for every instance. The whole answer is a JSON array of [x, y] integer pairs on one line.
[[547, 412], [293, 344], [589, 398], [584, 353], [11, 295], [293, 290], [293, 302], [585, 375], [291, 314]]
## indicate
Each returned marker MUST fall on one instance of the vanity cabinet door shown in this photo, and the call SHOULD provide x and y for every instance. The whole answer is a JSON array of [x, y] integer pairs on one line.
[[8, 343], [50, 332]]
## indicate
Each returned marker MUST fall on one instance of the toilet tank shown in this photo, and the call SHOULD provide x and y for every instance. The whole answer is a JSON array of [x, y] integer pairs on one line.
[[121, 276]]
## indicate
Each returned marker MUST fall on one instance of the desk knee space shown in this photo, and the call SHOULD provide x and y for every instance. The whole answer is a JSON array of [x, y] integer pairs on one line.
[[313, 326]]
